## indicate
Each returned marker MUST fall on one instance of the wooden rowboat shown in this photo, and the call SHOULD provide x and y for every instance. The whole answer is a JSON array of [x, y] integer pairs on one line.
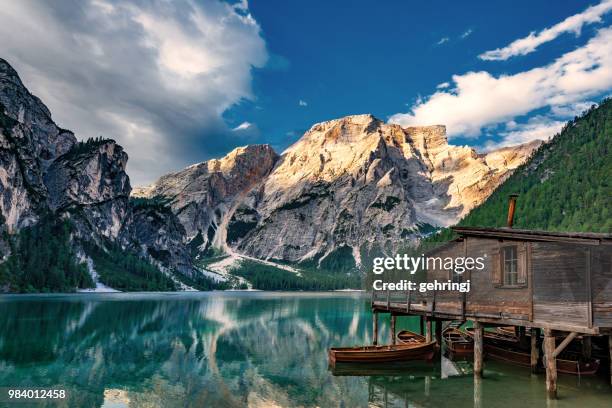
[[457, 342], [569, 364], [381, 354], [508, 331], [395, 369], [508, 355], [408, 337], [496, 338], [412, 347]]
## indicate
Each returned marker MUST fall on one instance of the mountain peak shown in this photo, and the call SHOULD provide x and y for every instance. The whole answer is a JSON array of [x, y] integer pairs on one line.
[[428, 137], [6, 70]]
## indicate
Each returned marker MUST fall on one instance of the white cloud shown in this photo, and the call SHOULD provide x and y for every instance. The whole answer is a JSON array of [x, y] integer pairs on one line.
[[479, 99], [511, 124], [156, 75], [530, 43], [443, 40], [443, 85], [537, 128], [302, 103], [572, 109], [243, 126], [467, 33]]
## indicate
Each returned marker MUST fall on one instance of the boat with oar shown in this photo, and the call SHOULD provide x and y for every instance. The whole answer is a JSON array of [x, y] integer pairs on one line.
[[568, 363], [457, 342], [412, 347]]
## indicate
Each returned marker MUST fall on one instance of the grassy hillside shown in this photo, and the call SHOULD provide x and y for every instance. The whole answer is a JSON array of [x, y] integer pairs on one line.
[[565, 186]]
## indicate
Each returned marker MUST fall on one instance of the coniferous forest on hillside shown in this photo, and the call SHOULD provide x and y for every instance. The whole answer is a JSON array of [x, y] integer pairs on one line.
[[42, 260], [565, 186]]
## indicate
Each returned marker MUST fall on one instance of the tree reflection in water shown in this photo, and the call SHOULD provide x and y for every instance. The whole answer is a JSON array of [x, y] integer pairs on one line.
[[183, 349]]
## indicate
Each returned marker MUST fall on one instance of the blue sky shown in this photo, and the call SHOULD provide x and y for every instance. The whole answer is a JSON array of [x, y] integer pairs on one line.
[[184, 81], [343, 58]]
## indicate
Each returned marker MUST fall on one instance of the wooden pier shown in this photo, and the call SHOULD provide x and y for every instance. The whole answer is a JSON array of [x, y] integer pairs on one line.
[[560, 283]]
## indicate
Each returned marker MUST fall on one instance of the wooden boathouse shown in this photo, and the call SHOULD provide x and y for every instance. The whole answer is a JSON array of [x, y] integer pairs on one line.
[[560, 283]]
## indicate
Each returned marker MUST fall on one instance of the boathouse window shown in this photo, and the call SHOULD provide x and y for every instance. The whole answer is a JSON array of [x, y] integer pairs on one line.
[[510, 265]]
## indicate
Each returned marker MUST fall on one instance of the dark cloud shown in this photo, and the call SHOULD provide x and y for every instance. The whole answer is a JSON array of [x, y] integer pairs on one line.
[[154, 75]]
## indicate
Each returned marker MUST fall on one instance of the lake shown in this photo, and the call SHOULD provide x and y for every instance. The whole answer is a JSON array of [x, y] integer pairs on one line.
[[234, 349]]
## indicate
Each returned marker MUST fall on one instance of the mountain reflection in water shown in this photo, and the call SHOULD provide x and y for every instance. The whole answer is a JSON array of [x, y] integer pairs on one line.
[[235, 349]]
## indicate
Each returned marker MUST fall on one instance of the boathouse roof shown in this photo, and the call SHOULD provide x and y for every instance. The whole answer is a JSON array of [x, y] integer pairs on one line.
[[535, 235]]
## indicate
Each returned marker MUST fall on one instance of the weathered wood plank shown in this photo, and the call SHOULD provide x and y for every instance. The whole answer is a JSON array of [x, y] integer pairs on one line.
[[535, 350], [478, 349], [375, 328], [550, 364], [610, 349], [588, 289], [562, 312], [567, 340], [439, 334]]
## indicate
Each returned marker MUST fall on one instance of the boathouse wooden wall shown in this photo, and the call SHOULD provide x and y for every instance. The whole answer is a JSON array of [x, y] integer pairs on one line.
[[447, 302], [561, 283], [601, 286], [566, 284], [488, 298]]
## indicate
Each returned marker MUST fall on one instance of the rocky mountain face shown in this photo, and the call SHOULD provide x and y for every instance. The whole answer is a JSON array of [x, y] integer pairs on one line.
[[91, 182], [44, 170], [29, 142], [347, 187], [202, 195]]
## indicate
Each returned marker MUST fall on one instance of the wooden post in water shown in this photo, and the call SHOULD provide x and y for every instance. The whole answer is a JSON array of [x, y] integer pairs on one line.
[[587, 347], [610, 348], [551, 364], [477, 392], [428, 333], [439, 333], [422, 332], [478, 349], [375, 327], [393, 317], [535, 350], [522, 333]]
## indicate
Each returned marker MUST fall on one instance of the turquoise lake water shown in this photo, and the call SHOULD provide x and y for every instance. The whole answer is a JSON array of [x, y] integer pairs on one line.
[[234, 349]]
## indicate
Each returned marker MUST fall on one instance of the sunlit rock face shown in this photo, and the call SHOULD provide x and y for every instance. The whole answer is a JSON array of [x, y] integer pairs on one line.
[[204, 194], [357, 182], [347, 185]]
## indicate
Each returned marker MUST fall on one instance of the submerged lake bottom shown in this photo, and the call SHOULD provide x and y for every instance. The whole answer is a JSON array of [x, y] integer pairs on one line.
[[235, 349]]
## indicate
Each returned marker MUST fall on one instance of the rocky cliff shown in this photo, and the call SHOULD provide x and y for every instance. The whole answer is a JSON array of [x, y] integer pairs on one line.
[[29, 142], [202, 195], [347, 187], [45, 171]]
